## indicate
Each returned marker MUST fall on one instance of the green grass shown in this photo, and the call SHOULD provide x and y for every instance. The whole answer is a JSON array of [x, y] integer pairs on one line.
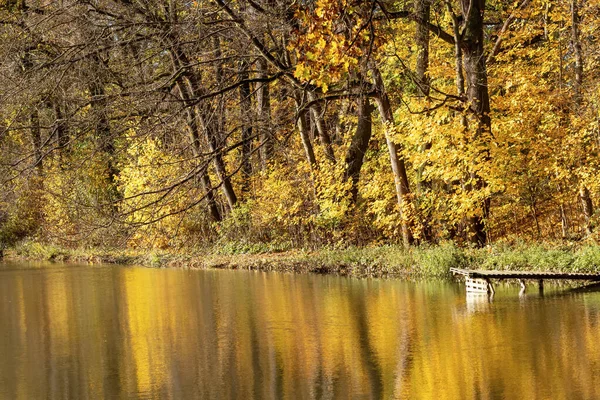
[[542, 257]]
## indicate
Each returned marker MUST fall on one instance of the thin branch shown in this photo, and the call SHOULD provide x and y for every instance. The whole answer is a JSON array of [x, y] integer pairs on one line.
[[435, 29], [496, 49]]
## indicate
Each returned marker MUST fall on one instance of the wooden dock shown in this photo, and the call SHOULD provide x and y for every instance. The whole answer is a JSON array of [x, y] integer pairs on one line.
[[479, 281]]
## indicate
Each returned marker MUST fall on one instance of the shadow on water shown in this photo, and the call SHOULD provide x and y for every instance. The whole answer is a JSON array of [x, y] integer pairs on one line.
[[589, 288]]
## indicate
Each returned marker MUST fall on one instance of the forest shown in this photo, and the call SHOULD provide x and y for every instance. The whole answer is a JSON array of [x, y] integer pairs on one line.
[[150, 124]]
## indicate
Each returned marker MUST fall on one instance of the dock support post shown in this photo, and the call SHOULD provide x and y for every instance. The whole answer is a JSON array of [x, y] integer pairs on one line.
[[541, 287], [490, 287], [523, 287]]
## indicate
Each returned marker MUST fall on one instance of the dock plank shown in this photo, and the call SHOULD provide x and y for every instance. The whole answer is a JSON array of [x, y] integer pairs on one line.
[[494, 274]]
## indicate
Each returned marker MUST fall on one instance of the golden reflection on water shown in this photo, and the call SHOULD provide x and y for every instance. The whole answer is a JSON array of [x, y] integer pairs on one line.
[[111, 332]]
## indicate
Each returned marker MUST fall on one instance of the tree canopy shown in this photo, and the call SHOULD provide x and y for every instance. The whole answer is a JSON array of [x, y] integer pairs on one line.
[[150, 123]]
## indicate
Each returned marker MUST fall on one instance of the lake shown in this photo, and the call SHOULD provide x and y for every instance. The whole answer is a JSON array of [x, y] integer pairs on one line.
[[96, 332]]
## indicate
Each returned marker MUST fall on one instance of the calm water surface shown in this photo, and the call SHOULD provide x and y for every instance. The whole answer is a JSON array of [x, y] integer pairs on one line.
[[83, 332]]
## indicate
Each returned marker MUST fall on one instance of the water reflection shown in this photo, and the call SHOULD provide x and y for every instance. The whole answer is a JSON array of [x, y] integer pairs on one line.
[[109, 332]]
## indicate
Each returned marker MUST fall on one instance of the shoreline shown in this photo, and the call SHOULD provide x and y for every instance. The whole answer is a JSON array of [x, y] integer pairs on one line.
[[292, 261], [380, 261]]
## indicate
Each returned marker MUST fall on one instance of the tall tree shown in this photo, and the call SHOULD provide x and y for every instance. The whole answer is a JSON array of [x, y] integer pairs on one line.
[[397, 161], [584, 193], [472, 42], [359, 144]]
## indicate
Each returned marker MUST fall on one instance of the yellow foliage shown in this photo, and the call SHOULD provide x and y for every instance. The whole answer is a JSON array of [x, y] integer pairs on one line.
[[156, 201]]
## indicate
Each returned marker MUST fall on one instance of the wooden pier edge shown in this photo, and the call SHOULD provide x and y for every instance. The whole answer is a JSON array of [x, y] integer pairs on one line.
[[479, 281]]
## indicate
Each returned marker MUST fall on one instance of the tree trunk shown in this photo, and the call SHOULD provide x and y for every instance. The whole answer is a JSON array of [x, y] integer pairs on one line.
[[398, 166], [263, 100], [209, 126], [194, 136], [60, 127], [319, 121], [422, 12], [215, 146], [478, 98], [588, 208], [220, 108], [564, 224], [36, 138], [575, 39], [359, 144], [34, 116], [304, 128], [584, 193], [246, 115], [103, 134]]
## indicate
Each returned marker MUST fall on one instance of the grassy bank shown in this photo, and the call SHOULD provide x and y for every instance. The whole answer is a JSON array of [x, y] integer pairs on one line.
[[418, 262]]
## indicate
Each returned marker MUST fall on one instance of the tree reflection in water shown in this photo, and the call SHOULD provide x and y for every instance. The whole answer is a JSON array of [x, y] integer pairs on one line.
[[113, 332]]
